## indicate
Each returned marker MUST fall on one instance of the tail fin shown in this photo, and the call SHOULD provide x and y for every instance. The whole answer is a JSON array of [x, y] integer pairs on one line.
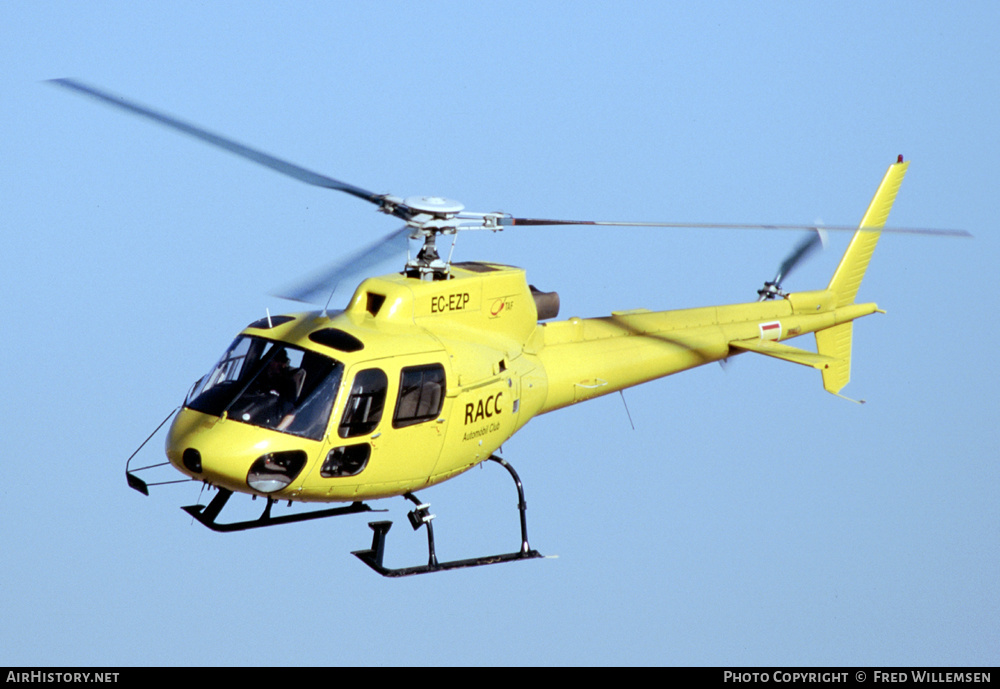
[[835, 342], [847, 279]]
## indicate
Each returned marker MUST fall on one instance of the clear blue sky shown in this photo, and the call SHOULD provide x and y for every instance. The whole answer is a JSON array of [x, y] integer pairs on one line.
[[750, 518]]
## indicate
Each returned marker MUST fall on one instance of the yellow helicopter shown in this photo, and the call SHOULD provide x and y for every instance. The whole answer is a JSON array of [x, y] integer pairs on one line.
[[428, 371]]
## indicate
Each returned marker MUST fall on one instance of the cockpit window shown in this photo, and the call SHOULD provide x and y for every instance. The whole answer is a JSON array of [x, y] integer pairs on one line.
[[271, 385]]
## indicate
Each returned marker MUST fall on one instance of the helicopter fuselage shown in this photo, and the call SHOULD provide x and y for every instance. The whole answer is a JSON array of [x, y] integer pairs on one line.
[[427, 379]]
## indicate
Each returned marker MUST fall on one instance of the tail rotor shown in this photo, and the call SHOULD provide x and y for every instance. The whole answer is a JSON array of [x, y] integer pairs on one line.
[[772, 288]]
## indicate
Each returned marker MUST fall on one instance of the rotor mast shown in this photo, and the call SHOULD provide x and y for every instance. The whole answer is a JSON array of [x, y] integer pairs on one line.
[[433, 216]]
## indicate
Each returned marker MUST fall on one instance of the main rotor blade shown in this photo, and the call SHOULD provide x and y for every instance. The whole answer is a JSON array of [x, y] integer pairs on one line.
[[317, 288], [259, 157], [539, 222]]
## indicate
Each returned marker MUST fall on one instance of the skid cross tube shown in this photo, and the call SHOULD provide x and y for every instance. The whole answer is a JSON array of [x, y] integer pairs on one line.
[[373, 557], [208, 515]]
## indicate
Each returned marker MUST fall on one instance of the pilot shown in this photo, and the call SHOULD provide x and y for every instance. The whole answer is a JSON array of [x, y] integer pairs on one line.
[[275, 392], [278, 378]]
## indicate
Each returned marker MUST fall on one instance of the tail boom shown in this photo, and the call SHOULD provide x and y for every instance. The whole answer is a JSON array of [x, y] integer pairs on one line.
[[587, 358]]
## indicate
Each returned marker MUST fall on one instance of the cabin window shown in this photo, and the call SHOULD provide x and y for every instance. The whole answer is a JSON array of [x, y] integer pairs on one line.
[[365, 404], [270, 322], [346, 461], [421, 394], [337, 339]]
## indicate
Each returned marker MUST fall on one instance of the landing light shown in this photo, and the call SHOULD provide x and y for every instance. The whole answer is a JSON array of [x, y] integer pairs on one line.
[[275, 470]]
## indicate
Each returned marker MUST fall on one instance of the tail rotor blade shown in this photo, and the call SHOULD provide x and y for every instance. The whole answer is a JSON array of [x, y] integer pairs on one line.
[[804, 248]]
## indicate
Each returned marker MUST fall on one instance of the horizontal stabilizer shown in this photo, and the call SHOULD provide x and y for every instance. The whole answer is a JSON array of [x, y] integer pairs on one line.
[[785, 352]]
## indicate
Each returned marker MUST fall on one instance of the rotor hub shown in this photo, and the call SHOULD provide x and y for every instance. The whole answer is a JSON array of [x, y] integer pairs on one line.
[[437, 206]]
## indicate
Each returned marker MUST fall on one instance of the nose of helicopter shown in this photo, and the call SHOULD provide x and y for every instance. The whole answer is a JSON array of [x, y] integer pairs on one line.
[[233, 455]]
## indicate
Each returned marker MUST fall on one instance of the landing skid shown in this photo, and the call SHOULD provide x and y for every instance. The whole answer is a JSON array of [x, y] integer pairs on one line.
[[208, 515], [373, 557]]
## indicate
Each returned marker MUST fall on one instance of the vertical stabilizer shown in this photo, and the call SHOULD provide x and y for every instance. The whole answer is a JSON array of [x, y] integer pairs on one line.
[[835, 342], [847, 279]]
